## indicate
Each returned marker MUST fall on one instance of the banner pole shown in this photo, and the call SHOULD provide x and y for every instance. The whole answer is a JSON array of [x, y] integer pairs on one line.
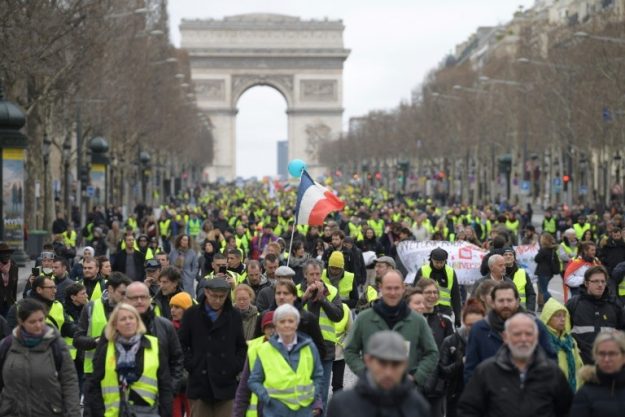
[[288, 259]]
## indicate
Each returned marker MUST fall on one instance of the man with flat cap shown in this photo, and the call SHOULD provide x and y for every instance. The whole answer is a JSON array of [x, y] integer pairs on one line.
[[212, 339], [447, 281], [384, 388]]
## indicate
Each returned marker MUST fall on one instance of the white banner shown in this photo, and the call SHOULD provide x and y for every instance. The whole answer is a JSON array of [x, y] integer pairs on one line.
[[465, 258]]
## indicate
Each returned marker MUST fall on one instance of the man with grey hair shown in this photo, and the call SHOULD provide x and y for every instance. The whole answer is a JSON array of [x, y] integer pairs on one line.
[[386, 376], [497, 272], [519, 381]]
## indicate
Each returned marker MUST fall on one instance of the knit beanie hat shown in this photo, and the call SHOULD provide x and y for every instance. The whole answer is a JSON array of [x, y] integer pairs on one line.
[[336, 260], [182, 300]]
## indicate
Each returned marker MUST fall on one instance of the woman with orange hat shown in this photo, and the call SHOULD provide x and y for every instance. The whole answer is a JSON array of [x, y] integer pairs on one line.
[[178, 304]]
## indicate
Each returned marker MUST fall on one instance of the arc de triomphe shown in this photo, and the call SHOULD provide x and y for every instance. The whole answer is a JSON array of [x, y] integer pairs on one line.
[[302, 59]]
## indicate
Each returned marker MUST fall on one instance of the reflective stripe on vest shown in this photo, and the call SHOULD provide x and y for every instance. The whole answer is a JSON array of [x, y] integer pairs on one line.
[[445, 292], [97, 323], [346, 283], [295, 389], [341, 327], [520, 281], [146, 386], [56, 315], [252, 354]]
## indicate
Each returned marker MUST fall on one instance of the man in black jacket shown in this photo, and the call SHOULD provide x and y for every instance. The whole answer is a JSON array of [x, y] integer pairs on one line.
[[138, 295], [593, 310], [519, 381], [214, 348], [384, 389], [130, 261]]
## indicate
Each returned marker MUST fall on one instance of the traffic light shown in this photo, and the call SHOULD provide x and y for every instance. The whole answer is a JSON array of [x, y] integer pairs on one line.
[[566, 179]]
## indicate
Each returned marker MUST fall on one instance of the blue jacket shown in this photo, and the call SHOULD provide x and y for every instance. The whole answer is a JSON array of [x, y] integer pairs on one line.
[[484, 343], [272, 407]]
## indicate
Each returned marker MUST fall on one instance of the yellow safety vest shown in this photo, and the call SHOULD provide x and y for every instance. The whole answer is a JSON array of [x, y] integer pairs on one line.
[[163, 227], [346, 283], [97, 323], [550, 226], [295, 389], [146, 386], [580, 230], [195, 225], [513, 226], [377, 226], [97, 291], [569, 251], [621, 289], [70, 239], [252, 354], [56, 315], [132, 223], [520, 280], [326, 325], [341, 327], [445, 292], [372, 294]]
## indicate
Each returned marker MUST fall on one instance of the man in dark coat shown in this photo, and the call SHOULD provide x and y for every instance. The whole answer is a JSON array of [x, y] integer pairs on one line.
[[384, 388], [130, 261], [212, 339], [519, 381]]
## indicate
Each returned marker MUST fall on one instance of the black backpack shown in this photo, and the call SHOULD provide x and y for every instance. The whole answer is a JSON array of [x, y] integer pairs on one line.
[[5, 345]]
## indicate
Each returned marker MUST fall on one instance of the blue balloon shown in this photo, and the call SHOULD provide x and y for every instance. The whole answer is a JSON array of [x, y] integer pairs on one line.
[[297, 167]]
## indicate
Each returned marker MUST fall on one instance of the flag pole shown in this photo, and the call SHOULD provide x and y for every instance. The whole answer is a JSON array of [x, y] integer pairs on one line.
[[288, 259]]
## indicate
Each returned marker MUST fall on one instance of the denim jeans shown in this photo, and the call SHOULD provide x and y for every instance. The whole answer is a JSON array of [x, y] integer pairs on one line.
[[543, 285], [325, 384]]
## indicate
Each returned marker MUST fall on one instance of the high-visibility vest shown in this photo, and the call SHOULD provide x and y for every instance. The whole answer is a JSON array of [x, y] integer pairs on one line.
[[621, 289], [513, 226], [346, 283], [444, 292], [520, 281], [252, 354], [195, 226], [146, 386], [354, 230], [580, 230], [96, 294], [163, 227], [372, 294], [56, 315], [302, 228], [326, 325], [69, 239], [377, 226], [295, 389], [97, 323], [341, 326], [132, 223], [550, 226], [569, 251]]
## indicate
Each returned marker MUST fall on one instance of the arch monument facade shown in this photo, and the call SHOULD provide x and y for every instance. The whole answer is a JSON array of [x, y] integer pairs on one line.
[[301, 59]]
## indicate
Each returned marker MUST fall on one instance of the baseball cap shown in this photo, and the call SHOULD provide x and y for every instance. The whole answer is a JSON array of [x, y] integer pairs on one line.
[[152, 264], [388, 345], [386, 260]]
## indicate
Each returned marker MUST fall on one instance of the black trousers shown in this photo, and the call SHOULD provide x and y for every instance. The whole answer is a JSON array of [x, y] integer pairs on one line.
[[338, 371]]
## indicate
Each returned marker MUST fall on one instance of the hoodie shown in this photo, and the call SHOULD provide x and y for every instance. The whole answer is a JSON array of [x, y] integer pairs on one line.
[[569, 359]]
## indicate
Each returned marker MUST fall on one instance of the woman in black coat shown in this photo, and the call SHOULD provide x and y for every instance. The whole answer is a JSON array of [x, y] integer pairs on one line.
[[547, 265], [603, 392]]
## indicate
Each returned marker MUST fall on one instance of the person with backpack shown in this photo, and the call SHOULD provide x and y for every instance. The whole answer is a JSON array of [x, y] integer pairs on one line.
[[35, 385]]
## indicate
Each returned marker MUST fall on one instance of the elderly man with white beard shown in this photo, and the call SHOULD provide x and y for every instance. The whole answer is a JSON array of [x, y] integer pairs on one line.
[[519, 381]]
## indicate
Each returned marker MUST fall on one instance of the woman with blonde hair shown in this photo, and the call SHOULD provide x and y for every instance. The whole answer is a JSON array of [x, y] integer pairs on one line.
[[127, 377], [603, 393]]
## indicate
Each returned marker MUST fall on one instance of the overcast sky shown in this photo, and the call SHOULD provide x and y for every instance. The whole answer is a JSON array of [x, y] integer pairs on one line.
[[394, 44]]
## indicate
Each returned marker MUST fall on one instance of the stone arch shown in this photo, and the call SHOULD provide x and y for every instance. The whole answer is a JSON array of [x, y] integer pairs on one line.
[[302, 60]]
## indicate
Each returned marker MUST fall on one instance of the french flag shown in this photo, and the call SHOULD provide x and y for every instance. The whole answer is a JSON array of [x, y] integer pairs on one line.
[[314, 202]]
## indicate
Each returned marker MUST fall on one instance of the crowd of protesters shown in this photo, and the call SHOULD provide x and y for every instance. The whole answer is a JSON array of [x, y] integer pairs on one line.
[[218, 305]]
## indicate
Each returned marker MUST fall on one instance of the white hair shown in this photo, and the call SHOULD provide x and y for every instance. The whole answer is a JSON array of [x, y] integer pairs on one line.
[[285, 310]]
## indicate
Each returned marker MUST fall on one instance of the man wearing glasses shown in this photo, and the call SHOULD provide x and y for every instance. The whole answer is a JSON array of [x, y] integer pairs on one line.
[[8, 285], [594, 310]]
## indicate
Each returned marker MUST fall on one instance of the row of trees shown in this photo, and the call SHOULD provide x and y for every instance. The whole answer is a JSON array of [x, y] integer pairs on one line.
[[85, 68], [547, 103]]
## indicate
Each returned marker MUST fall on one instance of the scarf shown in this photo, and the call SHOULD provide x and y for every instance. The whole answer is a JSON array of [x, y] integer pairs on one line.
[[179, 262], [391, 315], [496, 322], [127, 368], [565, 343], [31, 340]]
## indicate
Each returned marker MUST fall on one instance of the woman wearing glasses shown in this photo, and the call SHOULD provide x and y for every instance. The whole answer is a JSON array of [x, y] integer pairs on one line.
[[603, 392]]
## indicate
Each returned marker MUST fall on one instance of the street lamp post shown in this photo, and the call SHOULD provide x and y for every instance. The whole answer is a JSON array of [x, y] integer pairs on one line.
[[67, 154], [97, 174], [144, 159], [45, 150]]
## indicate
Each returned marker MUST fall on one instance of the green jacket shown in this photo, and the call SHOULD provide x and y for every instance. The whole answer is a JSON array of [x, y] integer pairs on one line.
[[423, 354]]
